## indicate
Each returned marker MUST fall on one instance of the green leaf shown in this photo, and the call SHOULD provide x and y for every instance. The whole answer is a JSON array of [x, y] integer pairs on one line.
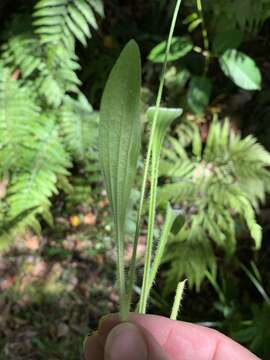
[[178, 223], [241, 69], [228, 39], [49, 20], [176, 79], [190, 18], [87, 12], [76, 31], [79, 19], [194, 24], [119, 131], [164, 119], [198, 95], [256, 233], [180, 47], [119, 141], [197, 143], [47, 3], [50, 11], [171, 216], [97, 5]]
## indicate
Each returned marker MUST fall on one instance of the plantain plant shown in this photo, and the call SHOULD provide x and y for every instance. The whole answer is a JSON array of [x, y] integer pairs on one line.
[[119, 145]]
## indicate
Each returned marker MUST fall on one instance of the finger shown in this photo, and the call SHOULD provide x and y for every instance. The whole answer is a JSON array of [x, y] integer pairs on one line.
[[130, 341], [94, 348], [184, 341]]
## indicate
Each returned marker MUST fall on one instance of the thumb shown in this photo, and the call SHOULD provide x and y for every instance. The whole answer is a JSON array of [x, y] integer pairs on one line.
[[129, 341]]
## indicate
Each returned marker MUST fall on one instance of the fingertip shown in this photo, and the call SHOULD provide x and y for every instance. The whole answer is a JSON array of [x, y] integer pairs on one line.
[[107, 323], [93, 348], [126, 341]]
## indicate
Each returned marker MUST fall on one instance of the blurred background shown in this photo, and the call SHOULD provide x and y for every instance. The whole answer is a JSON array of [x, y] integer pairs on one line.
[[57, 255]]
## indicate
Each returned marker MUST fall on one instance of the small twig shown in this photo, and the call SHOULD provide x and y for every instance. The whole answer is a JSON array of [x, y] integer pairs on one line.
[[206, 51]]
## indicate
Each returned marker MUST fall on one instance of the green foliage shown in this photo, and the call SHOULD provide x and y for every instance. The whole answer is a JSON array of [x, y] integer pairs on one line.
[[170, 221], [228, 39], [163, 118], [220, 43], [49, 70], [181, 46], [45, 120], [63, 21], [32, 154], [198, 95], [255, 332], [217, 187], [79, 125], [241, 69], [246, 15], [189, 258], [44, 52], [119, 144]]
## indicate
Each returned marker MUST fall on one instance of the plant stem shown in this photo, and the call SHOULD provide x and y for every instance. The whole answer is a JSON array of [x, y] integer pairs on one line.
[[147, 160], [205, 37], [170, 218], [121, 275], [154, 174], [177, 300], [150, 234]]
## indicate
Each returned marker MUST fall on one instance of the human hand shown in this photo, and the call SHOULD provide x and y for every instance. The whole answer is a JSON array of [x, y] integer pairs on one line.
[[150, 337]]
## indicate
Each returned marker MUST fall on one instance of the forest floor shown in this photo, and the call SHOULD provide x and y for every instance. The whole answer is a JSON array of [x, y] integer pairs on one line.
[[55, 287]]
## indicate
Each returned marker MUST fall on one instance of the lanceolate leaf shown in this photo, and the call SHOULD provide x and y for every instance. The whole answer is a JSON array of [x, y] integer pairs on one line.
[[119, 138], [119, 131], [241, 69]]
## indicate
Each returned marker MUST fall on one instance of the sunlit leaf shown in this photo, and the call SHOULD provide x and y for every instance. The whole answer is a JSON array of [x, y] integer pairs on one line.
[[241, 69]]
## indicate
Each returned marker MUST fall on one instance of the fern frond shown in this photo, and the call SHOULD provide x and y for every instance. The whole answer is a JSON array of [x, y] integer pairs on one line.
[[18, 114], [44, 159], [186, 130], [65, 20], [79, 127], [58, 76], [246, 15], [22, 52], [188, 259], [50, 70], [33, 155], [216, 186]]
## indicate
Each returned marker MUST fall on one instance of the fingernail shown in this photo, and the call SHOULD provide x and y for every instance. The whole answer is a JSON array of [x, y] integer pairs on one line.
[[126, 341]]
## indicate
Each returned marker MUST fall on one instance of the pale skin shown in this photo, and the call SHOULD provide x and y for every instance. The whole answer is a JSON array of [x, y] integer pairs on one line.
[[150, 337]]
